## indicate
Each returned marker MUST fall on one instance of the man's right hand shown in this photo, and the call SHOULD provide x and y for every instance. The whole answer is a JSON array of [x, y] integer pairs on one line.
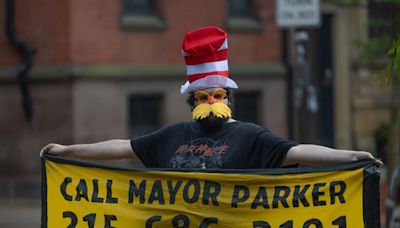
[[53, 148]]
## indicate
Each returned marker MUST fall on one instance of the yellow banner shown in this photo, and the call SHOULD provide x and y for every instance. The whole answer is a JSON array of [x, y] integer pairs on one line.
[[78, 195]]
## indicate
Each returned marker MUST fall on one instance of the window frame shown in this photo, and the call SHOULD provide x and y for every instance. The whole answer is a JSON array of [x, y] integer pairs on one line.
[[151, 20], [145, 99], [256, 100], [246, 22]]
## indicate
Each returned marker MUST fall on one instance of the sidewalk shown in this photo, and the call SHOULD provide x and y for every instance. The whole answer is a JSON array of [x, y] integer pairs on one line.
[[20, 214]]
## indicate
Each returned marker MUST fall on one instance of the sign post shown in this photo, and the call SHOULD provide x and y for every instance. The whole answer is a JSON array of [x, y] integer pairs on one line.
[[298, 16]]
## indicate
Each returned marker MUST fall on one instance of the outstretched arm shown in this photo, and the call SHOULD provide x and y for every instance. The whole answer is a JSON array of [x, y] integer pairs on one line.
[[107, 150], [308, 154]]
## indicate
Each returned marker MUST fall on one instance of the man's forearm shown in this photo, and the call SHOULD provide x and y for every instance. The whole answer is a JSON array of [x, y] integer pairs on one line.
[[111, 149], [309, 154]]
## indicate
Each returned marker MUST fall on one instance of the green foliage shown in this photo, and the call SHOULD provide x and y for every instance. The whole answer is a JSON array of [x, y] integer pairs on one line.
[[358, 3], [351, 3], [378, 23], [392, 68], [374, 49], [395, 2]]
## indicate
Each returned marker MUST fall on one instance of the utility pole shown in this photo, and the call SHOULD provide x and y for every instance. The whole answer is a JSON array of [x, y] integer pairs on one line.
[[297, 17]]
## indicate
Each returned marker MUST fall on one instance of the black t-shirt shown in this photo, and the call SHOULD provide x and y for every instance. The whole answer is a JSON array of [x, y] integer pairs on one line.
[[236, 145]]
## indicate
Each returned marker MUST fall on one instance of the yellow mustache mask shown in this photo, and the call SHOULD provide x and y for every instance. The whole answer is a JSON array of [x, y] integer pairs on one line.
[[218, 109]]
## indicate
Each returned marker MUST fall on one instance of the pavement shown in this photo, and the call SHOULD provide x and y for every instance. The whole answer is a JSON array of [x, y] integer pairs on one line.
[[20, 214]]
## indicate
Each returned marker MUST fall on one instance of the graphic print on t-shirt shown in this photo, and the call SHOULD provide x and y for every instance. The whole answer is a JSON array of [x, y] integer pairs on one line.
[[199, 153]]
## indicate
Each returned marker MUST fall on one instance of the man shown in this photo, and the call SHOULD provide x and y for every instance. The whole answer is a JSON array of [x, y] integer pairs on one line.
[[214, 139]]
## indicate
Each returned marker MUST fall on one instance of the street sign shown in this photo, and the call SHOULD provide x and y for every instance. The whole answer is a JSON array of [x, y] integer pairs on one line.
[[297, 13]]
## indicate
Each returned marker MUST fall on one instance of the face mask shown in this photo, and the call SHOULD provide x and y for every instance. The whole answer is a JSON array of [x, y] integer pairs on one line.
[[217, 107]]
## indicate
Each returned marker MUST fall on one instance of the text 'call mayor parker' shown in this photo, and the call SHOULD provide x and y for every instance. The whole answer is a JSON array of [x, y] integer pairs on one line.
[[206, 192]]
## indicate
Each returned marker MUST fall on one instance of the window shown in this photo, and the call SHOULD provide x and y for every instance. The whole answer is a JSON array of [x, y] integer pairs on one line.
[[241, 16], [144, 114], [382, 26], [239, 8], [141, 14], [246, 105], [139, 7], [379, 19]]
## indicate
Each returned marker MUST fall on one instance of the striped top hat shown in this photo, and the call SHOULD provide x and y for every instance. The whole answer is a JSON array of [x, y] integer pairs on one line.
[[206, 56]]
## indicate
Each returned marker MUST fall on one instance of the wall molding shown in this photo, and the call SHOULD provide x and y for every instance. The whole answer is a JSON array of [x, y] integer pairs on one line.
[[139, 71]]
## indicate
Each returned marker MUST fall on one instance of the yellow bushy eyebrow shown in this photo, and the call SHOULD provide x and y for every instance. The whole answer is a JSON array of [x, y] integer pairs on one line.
[[219, 91]]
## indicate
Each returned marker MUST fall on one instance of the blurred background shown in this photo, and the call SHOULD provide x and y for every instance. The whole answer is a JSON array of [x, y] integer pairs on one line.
[[74, 71]]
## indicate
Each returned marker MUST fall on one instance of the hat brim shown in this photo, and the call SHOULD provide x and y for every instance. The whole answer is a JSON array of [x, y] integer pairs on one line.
[[212, 81]]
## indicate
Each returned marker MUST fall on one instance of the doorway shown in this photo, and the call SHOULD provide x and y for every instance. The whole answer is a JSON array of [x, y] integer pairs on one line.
[[312, 85]]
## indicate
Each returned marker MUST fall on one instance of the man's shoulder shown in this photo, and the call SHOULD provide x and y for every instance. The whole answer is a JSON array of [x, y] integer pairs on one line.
[[178, 126], [249, 125]]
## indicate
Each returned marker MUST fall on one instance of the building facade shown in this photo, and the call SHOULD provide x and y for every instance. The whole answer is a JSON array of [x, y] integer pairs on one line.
[[113, 69]]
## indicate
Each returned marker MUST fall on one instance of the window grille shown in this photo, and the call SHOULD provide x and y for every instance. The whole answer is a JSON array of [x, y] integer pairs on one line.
[[247, 106], [144, 114]]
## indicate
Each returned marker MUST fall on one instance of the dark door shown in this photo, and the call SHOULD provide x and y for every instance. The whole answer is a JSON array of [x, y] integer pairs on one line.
[[324, 74], [313, 112]]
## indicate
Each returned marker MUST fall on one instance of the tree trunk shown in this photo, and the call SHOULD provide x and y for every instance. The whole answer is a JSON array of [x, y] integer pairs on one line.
[[394, 140]]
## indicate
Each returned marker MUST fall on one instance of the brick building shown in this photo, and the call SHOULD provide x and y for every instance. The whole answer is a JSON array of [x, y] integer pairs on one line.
[[113, 69]]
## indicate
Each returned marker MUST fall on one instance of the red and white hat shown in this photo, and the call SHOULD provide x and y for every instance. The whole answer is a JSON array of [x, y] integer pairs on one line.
[[206, 56]]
